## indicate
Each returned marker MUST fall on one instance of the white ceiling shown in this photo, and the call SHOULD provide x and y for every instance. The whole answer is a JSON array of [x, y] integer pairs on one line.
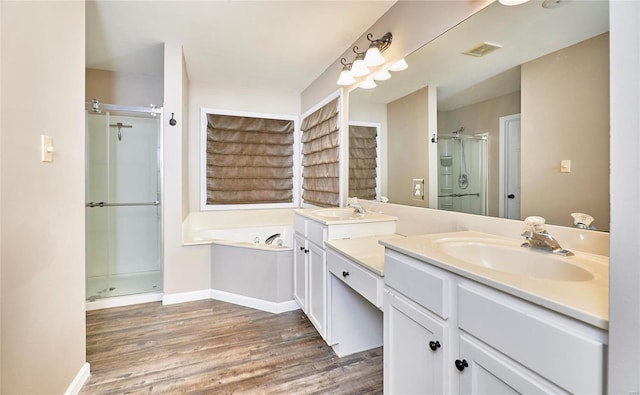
[[265, 45]]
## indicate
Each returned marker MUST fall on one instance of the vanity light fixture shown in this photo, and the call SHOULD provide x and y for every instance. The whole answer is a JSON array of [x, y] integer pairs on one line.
[[374, 57], [346, 77], [359, 67]]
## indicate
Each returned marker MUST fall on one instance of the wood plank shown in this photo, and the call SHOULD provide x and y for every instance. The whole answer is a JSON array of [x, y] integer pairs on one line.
[[209, 347]]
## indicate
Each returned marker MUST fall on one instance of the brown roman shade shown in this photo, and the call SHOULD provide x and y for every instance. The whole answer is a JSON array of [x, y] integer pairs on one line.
[[249, 160], [362, 161], [321, 156]]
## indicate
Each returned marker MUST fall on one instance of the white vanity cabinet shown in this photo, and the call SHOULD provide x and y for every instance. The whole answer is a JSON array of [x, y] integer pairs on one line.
[[300, 267], [415, 346], [490, 341], [309, 271], [310, 264], [513, 346], [417, 338]]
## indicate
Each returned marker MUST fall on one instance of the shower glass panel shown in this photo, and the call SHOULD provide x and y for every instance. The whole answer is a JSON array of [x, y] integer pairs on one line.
[[123, 213], [462, 174]]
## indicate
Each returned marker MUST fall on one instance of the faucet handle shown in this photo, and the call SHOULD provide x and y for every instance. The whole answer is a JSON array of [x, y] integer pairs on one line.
[[582, 219], [536, 223]]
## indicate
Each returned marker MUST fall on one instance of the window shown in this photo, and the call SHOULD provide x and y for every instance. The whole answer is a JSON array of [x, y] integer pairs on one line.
[[321, 156], [248, 160]]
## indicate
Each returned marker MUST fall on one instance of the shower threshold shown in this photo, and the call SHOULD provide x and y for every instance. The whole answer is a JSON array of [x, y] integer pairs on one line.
[[123, 285]]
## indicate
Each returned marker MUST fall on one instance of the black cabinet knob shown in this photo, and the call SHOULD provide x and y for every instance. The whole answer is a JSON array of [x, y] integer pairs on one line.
[[345, 274], [306, 251], [460, 365], [511, 196], [434, 345], [301, 248]]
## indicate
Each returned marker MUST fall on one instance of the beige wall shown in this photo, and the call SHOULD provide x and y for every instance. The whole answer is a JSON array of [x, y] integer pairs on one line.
[[408, 147], [42, 212], [483, 117], [207, 95], [125, 89], [186, 268], [565, 115]]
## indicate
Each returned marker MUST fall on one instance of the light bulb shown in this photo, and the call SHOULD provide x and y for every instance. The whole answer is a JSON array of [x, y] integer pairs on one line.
[[381, 75], [346, 78], [359, 68], [367, 84], [373, 57], [399, 65]]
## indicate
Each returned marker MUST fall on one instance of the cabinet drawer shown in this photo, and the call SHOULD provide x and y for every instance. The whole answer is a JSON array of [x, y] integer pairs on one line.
[[566, 352], [365, 283], [316, 233], [300, 225], [422, 283]]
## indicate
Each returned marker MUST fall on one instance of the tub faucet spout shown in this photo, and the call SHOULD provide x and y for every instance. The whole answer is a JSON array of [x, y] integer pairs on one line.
[[271, 238]]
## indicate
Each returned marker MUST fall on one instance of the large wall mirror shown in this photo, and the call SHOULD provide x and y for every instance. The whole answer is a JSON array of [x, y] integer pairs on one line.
[[516, 129]]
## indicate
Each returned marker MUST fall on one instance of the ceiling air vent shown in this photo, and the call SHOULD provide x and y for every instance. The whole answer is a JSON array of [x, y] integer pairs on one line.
[[482, 49]]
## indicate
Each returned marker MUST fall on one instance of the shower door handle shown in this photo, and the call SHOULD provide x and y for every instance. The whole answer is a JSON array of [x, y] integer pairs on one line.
[[105, 204]]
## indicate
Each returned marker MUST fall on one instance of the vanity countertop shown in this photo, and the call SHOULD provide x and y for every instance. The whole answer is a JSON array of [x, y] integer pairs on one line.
[[344, 216], [587, 301], [365, 251]]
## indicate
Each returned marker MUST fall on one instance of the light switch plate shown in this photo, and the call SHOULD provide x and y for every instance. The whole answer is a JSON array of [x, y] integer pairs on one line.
[[46, 148], [565, 166], [418, 189]]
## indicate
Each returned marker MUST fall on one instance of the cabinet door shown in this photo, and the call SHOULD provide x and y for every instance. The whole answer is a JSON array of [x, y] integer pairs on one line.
[[487, 372], [317, 288], [300, 272], [411, 366]]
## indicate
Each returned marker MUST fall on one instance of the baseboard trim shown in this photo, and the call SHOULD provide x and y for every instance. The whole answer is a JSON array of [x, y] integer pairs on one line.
[[259, 304], [119, 301], [78, 382], [246, 301], [184, 297]]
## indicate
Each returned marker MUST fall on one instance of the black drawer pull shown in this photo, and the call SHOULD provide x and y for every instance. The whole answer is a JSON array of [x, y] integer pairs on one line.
[[434, 345], [345, 274], [460, 365]]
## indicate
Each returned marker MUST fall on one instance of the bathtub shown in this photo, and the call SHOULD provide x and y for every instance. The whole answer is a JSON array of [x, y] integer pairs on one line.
[[246, 271], [251, 237]]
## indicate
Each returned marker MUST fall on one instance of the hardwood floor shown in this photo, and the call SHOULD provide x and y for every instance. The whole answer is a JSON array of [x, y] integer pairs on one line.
[[213, 347]]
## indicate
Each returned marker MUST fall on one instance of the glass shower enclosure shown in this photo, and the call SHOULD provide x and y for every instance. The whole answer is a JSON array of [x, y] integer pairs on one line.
[[462, 173], [123, 201]]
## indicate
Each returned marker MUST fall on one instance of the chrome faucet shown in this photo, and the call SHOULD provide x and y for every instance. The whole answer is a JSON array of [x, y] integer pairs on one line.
[[357, 208], [539, 238]]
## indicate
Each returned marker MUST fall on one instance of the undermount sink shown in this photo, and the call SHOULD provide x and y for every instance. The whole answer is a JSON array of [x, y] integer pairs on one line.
[[510, 258], [338, 213]]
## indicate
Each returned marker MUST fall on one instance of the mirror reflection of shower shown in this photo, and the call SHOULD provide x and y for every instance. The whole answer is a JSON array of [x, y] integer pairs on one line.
[[462, 172]]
